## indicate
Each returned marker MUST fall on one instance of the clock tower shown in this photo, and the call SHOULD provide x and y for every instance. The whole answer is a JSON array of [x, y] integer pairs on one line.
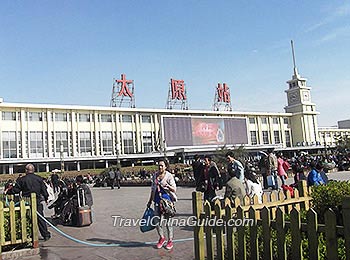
[[303, 120]]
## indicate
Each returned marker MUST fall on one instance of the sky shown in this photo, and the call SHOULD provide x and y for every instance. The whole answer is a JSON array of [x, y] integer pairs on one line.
[[68, 52]]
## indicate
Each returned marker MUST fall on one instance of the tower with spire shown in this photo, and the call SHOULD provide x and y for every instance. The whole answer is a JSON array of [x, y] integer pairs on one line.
[[304, 118]]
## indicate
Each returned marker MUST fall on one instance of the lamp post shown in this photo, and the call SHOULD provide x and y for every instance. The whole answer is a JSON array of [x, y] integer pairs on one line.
[[117, 151], [61, 157], [164, 149]]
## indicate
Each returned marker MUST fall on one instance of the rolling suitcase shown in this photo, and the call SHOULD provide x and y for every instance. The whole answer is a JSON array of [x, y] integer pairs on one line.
[[84, 211]]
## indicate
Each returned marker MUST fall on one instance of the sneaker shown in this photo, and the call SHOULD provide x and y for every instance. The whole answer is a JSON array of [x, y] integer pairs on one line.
[[161, 242], [169, 245]]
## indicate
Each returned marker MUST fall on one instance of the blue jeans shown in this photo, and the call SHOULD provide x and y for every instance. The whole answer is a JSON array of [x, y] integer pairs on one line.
[[274, 174]]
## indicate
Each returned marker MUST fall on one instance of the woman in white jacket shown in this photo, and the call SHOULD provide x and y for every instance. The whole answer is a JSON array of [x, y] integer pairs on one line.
[[252, 185]]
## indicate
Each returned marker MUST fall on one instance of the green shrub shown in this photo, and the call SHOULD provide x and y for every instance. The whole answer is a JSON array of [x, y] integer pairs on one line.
[[330, 196]]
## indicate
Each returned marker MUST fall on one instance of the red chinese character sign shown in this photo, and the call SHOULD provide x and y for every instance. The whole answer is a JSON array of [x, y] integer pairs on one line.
[[222, 100], [177, 95], [178, 89], [123, 93]]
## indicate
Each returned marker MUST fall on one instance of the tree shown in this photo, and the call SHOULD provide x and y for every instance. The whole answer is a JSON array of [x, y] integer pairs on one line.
[[220, 155], [343, 142]]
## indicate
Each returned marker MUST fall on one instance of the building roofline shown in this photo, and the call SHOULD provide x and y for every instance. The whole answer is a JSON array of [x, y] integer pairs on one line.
[[149, 110]]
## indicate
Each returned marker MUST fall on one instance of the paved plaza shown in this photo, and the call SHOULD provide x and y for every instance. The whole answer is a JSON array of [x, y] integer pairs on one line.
[[126, 202]]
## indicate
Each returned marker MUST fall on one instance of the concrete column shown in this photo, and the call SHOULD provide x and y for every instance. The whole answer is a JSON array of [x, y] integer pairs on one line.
[[11, 169], [106, 166], [47, 167], [78, 166]]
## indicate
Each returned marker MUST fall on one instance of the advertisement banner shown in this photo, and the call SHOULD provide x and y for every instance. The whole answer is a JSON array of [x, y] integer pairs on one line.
[[208, 131]]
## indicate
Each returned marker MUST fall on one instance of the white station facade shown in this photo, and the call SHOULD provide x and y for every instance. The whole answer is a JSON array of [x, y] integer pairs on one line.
[[97, 137]]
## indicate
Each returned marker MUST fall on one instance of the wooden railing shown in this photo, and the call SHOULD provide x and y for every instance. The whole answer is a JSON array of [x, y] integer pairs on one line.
[[231, 241], [18, 221]]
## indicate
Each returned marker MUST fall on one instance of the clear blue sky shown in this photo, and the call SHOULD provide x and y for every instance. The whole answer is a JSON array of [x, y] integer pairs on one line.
[[68, 52]]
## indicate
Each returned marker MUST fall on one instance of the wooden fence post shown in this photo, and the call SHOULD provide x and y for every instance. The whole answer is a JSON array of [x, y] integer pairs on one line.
[[23, 220], [254, 247], [295, 229], [266, 222], [209, 232], [35, 232], [242, 246], [304, 192], [312, 228], [12, 222], [331, 235], [230, 234], [281, 235], [197, 206], [346, 220], [219, 231]]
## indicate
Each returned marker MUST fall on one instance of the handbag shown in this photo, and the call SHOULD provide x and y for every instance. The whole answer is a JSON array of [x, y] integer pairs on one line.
[[149, 221]]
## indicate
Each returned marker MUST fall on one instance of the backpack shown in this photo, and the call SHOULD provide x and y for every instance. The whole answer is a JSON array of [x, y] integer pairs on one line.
[[166, 204]]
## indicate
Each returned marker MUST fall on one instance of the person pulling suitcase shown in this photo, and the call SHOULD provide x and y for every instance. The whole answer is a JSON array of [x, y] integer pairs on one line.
[[84, 203]]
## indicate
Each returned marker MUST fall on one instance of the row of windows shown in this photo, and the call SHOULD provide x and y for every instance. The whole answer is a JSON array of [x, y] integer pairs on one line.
[[36, 143], [64, 117], [266, 139], [264, 120]]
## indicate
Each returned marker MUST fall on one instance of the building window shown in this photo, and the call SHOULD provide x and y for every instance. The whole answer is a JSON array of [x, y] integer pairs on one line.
[[126, 118], [147, 141], [62, 138], [128, 142], [253, 137], [107, 143], [10, 116], [264, 120], [36, 144], [106, 118], [35, 116], [252, 120], [265, 137], [286, 121], [61, 117], [276, 135], [288, 142], [146, 119], [84, 117], [9, 145], [275, 120], [85, 143]]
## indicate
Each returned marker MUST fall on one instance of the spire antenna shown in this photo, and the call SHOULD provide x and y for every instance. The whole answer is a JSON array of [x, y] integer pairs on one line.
[[295, 67]]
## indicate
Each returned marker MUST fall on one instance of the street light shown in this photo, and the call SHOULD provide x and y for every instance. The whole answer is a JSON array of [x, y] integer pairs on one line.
[[118, 160], [164, 149], [61, 157]]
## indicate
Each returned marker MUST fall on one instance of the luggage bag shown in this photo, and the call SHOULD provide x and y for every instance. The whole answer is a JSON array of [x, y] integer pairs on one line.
[[84, 211]]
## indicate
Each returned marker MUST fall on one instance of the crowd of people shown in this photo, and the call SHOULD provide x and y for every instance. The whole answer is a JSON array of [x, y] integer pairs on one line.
[[263, 172], [239, 178], [65, 196]]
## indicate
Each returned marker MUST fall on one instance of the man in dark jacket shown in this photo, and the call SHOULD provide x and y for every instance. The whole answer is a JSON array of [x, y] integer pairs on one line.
[[198, 169], [211, 178], [32, 183]]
